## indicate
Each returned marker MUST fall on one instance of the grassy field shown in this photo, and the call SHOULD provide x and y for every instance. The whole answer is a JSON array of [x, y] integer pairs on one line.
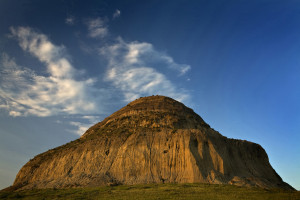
[[154, 191]]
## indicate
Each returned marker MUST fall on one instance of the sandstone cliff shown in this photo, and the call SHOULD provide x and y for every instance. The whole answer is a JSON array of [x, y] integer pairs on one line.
[[151, 140]]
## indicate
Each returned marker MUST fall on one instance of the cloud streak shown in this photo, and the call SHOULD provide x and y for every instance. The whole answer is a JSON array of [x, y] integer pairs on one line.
[[134, 69], [97, 28], [81, 127], [70, 20], [131, 70], [116, 14], [23, 92]]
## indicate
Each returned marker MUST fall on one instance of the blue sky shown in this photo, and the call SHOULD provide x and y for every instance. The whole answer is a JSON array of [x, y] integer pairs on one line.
[[65, 65]]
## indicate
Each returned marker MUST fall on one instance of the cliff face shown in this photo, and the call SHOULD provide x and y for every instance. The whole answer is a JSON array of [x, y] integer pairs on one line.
[[151, 140]]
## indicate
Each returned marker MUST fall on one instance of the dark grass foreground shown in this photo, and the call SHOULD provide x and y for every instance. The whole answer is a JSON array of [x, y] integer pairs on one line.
[[156, 191]]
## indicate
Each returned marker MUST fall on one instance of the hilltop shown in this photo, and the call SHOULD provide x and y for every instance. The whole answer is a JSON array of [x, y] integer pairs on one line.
[[151, 140]]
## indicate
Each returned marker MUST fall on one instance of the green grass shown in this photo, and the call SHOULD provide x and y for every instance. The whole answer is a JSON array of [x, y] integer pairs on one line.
[[156, 191]]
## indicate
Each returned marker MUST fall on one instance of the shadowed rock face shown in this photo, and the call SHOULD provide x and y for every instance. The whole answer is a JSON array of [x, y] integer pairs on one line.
[[151, 140]]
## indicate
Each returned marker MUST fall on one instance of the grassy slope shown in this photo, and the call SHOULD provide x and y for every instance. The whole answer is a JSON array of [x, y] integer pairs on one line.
[[162, 191]]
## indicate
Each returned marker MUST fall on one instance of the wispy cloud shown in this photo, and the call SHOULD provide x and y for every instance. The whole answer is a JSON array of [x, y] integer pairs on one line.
[[116, 14], [39, 46], [82, 126], [70, 20], [91, 118], [97, 28], [131, 68], [23, 92], [134, 68], [140, 54]]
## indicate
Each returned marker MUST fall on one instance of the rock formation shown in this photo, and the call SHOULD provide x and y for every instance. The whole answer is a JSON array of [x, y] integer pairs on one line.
[[151, 140]]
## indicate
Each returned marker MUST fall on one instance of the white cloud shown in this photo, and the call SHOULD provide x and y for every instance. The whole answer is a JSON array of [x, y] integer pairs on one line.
[[131, 69], [97, 28], [182, 68], [91, 118], [140, 54], [116, 14], [143, 81], [134, 68], [81, 127], [70, 20], [15, 113], [39, 46], [23, 92]]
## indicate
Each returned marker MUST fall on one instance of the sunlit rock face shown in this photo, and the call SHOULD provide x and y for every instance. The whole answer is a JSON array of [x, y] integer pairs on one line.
[[151, 140]]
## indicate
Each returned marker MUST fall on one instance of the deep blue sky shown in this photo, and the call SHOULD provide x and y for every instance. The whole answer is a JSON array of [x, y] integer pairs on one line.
[[67, 64]]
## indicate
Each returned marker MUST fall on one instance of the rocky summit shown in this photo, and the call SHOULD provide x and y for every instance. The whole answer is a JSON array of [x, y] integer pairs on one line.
[[151, 140]]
